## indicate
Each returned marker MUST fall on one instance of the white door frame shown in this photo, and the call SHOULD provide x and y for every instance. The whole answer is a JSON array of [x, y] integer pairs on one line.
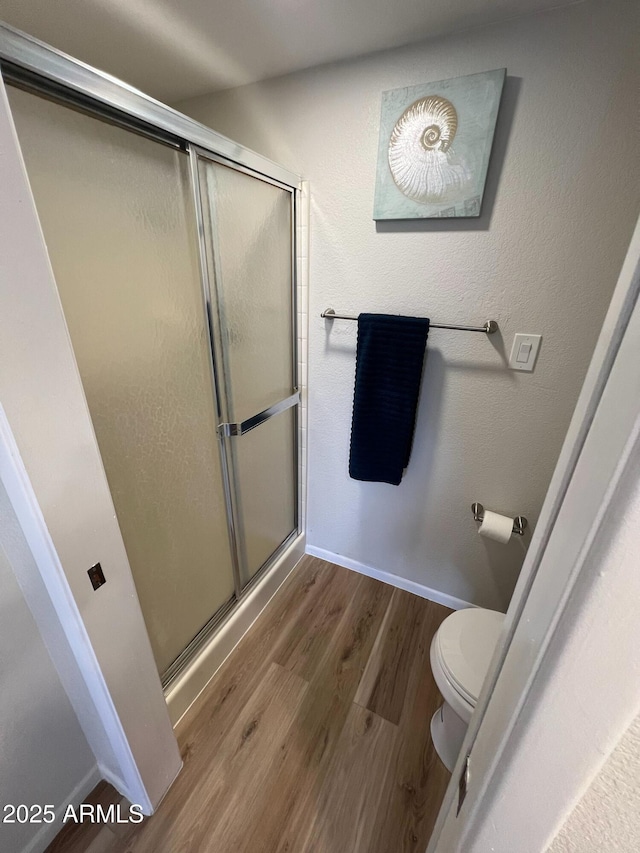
[[565, 680], [64, 633], [52, 471]]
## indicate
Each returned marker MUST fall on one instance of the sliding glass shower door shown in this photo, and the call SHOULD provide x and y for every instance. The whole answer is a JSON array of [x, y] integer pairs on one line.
[[248, 226], [182, 337], [117, 216]]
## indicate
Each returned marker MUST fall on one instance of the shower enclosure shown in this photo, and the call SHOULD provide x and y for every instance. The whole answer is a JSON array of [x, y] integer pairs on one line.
[[175, 265]]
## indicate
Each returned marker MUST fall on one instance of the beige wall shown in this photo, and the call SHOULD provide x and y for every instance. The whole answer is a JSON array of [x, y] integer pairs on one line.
[[560, 205], [608, 815]]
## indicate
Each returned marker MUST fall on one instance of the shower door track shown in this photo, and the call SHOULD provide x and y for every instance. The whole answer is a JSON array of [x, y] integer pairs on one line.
[[37, 67], [220, 617]]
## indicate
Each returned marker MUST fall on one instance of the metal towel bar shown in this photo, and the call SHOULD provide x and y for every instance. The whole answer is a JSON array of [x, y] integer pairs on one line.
[[489, 328]]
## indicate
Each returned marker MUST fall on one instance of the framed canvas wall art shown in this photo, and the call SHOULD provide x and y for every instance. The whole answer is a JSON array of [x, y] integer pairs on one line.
[[434, 147]]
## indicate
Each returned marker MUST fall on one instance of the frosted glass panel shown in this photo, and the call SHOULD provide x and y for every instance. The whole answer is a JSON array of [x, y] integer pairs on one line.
[[266, 470], [248, 224], [116, 213]]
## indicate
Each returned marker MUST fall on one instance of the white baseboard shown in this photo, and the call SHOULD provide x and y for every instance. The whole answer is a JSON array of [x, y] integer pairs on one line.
[[48, 831], [394, 580], [117, 783], [186, 689]]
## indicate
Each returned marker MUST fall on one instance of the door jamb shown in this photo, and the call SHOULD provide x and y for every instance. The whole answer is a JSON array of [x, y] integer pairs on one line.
[[591, 466]]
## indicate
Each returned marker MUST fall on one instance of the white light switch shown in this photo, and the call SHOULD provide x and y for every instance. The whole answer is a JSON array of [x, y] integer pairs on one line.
[[524, 351]]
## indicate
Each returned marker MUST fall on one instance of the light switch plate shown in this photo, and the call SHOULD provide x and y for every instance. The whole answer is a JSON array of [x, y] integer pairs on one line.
[[524, 351]]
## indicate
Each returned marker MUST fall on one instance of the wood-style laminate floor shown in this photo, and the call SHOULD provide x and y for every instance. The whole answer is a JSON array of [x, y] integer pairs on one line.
[[312, 738]]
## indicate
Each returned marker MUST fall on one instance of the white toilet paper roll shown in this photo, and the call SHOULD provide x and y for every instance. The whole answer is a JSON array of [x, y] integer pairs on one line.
[[496, 526]]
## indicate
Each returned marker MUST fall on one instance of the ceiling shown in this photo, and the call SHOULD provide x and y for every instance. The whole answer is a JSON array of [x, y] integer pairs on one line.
[[175, 49]]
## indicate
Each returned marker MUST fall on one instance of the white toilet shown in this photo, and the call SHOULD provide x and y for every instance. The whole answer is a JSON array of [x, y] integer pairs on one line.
[[461, 651]]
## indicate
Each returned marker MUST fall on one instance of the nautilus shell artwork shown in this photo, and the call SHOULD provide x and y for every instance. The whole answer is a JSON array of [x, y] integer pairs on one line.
[[435, 143], [420, 155]]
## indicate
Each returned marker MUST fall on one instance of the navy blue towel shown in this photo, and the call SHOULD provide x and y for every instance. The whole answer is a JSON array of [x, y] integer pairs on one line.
[[389, 362]]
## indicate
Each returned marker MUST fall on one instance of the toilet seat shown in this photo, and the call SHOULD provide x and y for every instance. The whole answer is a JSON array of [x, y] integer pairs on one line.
[[455, 683], [460, 655]]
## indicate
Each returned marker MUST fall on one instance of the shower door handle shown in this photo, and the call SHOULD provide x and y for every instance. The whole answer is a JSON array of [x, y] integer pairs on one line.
[[254, 421]]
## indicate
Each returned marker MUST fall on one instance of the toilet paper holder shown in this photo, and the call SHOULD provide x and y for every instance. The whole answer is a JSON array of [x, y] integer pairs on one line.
[[519, 522]]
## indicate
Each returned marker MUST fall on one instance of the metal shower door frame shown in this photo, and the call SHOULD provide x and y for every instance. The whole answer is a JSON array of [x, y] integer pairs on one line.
[[227, 430], [48, 70]]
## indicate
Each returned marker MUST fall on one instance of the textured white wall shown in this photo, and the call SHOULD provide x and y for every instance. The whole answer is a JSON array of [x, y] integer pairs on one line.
[[608, 815], [44, 756], [543, 258]]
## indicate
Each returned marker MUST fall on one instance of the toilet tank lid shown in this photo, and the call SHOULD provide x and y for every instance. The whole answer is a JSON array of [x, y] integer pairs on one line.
[[466, 641]]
